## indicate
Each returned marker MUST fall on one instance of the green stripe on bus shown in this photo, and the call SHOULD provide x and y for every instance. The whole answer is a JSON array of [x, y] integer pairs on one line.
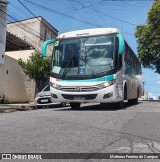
[[105, 78]]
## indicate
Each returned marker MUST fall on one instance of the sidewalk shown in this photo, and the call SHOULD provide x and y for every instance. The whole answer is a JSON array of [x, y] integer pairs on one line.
[[6, 108]]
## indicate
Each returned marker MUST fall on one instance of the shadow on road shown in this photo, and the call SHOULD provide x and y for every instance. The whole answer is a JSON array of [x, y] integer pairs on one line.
[[98, 107]]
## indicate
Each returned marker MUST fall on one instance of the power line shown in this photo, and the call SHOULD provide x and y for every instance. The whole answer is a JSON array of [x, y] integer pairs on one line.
[[25, 26], [113, 3], [28, 10], [19, 25], [21, 10], [87, 13], [62, 14], [33, 14], [78, 12], [119, 0], [91, 4], [105, 13], [65, 15]]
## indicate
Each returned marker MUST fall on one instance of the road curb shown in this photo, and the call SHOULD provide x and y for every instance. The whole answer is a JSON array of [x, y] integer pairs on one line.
[[7, 108]]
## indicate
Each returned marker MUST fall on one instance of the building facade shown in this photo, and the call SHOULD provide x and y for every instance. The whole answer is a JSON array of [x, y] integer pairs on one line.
[[3, 11], [34, 31]]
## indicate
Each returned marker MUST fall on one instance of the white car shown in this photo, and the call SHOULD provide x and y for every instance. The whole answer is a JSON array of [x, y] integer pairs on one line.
[[43, 99]]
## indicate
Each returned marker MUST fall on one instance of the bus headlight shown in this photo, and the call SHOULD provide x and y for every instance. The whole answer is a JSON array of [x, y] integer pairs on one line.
[[56, 86], [106, 84]]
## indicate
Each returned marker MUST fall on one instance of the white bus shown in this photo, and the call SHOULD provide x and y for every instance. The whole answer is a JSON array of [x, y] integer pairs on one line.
[[93, 65]]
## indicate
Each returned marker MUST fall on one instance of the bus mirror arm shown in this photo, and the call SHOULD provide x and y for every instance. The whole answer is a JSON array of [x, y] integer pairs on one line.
[[44, 46]]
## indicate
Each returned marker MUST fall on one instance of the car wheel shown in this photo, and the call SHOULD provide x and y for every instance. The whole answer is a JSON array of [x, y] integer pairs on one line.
[[63, 104], [39, 107], [75, 105]]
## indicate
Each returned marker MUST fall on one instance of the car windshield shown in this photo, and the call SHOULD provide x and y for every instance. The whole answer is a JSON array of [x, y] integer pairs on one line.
[[83, 56], [47, 88]]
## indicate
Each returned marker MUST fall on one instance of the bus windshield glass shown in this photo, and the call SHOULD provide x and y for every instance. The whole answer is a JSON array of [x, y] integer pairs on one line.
[[83, 56]]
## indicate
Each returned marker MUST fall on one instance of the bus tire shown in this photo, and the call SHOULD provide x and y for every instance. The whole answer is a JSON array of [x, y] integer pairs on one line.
[[125, 92], [75, 105], [135, 100], [119, 105]]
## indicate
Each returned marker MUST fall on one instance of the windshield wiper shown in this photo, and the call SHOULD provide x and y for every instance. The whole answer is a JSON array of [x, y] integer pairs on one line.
[[85, 61], [91, 68], [67, 67]]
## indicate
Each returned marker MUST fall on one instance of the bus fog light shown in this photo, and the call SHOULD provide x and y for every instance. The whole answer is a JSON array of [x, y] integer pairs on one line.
[[108, 95], [53, 95]]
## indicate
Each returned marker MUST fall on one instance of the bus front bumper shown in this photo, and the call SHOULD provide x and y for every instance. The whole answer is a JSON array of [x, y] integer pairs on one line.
[[106, 95]]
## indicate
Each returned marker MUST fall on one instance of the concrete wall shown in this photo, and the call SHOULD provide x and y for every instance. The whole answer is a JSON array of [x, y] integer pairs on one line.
[[12, 82], [24, 55], [30, 87]]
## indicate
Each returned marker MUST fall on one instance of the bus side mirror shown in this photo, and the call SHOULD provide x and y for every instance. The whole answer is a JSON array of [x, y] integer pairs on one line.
[[44, 46], [121, 43]]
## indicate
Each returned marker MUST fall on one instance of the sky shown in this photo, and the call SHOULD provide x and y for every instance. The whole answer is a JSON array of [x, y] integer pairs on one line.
[[68, 15]]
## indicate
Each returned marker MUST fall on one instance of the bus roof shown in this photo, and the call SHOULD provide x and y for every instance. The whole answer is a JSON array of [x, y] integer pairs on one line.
[[89, 32]]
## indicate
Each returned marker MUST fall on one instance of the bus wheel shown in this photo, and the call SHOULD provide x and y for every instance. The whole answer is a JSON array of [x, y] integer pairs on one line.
[[135, 100], [125, 92], [119, 105], [75, 105]]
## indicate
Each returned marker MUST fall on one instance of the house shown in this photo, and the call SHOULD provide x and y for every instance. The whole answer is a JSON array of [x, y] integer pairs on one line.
[[22, 39], [34, 31]]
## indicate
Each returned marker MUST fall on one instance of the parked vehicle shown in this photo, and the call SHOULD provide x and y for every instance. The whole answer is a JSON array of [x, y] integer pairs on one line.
[[43, 99]]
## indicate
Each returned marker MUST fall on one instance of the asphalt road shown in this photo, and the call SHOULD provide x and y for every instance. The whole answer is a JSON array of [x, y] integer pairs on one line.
[[91, 129]]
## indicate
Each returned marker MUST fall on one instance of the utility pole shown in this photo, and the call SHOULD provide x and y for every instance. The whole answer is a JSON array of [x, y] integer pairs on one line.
[[143, 88], [3, 26]]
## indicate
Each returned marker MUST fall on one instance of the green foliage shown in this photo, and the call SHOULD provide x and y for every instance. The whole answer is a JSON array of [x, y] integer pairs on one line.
[[158, 97], [37, 68], [148, 39]]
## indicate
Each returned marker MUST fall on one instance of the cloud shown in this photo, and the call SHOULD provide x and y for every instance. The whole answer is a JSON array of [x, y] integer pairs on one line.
[[151, 95]]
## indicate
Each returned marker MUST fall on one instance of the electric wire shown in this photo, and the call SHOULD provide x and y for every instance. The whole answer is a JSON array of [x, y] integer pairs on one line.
[[105, 13], [34, 15], [23, 28], [65, 15], [60, 13]]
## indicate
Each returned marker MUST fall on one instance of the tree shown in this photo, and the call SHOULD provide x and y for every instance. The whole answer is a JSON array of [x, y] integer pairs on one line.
[[37, 68], [158, 97], [148, 39]]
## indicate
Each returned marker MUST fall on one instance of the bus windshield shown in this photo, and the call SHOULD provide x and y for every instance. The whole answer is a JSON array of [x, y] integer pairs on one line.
[[83, 56]]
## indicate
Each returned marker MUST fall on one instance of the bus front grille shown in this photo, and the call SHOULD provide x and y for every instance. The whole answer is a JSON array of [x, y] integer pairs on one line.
[[80, 89]]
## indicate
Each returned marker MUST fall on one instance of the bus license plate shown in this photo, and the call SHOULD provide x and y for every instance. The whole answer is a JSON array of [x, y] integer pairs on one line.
[[79, 98]]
